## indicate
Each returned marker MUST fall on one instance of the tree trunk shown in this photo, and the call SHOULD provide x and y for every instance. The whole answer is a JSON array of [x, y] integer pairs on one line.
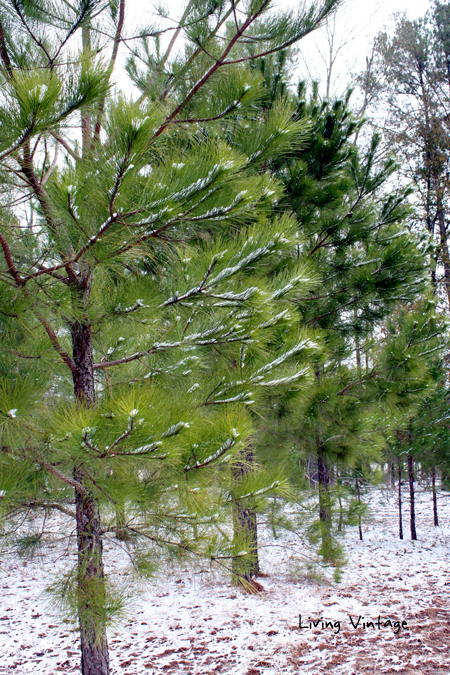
[[435, 511], [83, 378], [91, 584], [91, 581], [244, 524], [358, 492], [400, 521], [341, 512], [445, 257], [86, 120], [411, 499], [274, 532], [324, 507]]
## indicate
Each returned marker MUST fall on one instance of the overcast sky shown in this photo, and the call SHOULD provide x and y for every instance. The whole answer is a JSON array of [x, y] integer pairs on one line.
[[357, 23]]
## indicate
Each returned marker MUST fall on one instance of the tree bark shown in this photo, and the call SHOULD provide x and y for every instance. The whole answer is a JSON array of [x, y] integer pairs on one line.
[[91, 580], [83, 377], [400, 520], [91, 584], [244, 523], [358, 492], [324, 507], [435, 511], [411, 499]]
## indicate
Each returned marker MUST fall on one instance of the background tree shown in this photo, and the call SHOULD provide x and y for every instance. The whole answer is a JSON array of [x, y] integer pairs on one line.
[[409, 85], [353, 228]]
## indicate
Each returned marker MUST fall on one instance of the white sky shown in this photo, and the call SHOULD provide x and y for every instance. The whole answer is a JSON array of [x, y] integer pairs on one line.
[[357, 23]]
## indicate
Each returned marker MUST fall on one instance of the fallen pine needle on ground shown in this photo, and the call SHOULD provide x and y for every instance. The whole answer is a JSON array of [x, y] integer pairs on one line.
[[199, 624]]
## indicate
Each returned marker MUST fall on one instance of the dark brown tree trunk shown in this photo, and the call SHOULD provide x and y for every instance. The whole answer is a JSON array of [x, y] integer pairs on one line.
[[244, 524], [83, 378], [400, 520], [411, 498], [91, 586], [358, 492], [91, 581], [435, 510], [324, 507]]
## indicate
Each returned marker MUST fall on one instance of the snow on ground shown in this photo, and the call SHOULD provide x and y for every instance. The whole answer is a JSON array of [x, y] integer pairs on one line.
[[198, 624]]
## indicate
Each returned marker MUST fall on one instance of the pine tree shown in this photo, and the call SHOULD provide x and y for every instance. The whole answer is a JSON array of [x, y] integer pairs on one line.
[[410, 362], [118, 411], [353, 229], [409, 87]]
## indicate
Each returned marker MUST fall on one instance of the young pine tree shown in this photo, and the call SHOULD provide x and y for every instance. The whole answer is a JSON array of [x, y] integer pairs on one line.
[[369, 264]]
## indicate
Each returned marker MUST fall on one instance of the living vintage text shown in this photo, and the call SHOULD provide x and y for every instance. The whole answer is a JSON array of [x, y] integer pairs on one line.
[[354, 622]]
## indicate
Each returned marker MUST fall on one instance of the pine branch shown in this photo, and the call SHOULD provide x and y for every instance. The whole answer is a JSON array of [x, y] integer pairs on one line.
[[50, 505], [66, 146], [16, 5], [175, 35], [67, 479], [25, 356], [192, 58], [81, 17], [9, 261], [12, 148], [94, 482], [38, 190], [49, 171], [220, 61], [54, 340], [212, 458], [223, 339], [184, 546], [4, 55], [219, 116]]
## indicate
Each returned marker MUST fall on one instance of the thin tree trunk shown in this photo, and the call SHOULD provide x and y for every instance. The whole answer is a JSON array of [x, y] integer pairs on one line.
[[358, 492], [435, 511], [274, 532], [341, 509], [324, 507], [358, 358], [86, 119], [121, 522], [445, 257], [411, 499], [244, 523], [400, 521], [91, 581]]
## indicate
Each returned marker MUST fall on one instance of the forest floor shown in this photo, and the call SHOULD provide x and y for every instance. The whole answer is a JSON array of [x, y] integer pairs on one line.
[[194, 622]]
